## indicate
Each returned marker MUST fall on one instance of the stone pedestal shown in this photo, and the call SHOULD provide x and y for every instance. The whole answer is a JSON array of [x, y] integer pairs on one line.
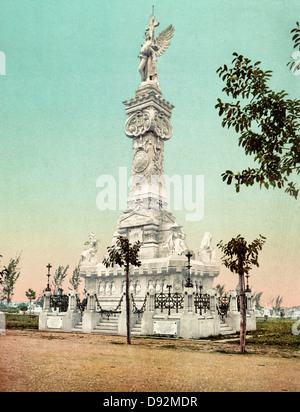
[[2, 324], [147, 319], [90, 318]]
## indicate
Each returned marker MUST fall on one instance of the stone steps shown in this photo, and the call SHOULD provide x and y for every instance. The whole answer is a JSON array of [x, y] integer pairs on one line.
[[137, 329], [77, 327], [107, 326], [110, 326], [226, 329]]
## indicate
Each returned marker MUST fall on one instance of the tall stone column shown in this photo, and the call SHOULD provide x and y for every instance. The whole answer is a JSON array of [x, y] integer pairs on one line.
[[148, 124]]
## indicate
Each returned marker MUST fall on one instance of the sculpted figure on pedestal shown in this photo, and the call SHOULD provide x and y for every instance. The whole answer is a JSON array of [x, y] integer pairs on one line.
[[152, 49], [90, 254], [176, 243], [207, 254]]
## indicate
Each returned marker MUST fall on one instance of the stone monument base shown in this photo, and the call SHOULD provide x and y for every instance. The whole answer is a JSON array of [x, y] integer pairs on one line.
[[186, 315]]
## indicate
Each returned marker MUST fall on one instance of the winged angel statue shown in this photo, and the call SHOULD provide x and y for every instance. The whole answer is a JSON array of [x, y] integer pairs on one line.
[[152, 49]]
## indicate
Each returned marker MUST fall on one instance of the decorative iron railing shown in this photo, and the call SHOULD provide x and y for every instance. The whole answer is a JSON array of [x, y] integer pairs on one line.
[[169, 301], [223, 306], [81, 305], [135, 309], [60, 302], [202, 302], [109, 312]]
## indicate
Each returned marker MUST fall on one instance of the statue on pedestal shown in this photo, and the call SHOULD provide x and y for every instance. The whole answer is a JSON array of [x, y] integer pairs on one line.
[[207, 254], [89, 256], [176, 243], [152, 49]]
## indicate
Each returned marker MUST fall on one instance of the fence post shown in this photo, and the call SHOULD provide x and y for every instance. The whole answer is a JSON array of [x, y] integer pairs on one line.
[[72, 301], [90, 316], [188, 300], [147, 318], [249, 302], [233, 316], [212, 300], [91, 301], [46, 306], [251, 317], [213, 313], [232, 301], [150, 303]]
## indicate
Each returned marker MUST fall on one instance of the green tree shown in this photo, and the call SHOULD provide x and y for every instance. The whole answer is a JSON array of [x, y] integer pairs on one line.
[[9, 280], [267, 123], [31, 295], [75, 279], [220, 289], [240, 257], [123, 253], [295, 62], [256, 298], [59, 276], [23, 308], [277, 304], [2, 273]]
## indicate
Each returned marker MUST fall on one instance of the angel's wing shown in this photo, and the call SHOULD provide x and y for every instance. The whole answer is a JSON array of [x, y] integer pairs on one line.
[[162, 41]]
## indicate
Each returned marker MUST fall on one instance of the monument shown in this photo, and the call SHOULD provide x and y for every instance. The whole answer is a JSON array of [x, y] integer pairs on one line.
[[172, 291], [147, 219]]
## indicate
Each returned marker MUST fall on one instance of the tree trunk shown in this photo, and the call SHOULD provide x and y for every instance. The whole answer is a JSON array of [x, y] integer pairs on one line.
[[243, 314], [128, 307]]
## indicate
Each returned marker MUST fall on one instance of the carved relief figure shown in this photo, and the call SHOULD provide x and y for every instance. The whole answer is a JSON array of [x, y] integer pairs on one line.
[[180, 244], [176, 243], [135, 235]]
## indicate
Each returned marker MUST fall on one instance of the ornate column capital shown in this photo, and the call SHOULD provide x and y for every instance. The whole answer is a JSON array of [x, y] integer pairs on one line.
[[147, 112], [149, 120]]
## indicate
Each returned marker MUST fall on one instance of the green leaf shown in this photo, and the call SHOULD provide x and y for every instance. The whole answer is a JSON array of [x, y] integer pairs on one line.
[[229, 180]]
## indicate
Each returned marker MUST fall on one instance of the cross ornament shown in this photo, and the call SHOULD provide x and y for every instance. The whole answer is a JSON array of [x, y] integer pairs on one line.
[[48, 275], [151, 27]]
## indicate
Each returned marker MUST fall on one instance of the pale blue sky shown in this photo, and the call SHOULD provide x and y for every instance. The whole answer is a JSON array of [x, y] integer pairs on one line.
[[71, 64]]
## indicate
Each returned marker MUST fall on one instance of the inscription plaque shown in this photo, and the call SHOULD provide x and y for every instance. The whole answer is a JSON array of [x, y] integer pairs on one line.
[[54, 322], [165, 328]]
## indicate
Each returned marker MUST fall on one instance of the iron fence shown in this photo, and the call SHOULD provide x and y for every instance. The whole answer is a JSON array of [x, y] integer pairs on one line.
[[169, 301], [223, 306], [135, 309], [109, 312], [60, 302], [202, 302]]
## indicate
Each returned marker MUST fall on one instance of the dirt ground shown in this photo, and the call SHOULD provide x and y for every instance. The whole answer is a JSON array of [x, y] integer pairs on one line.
[[33, 361]]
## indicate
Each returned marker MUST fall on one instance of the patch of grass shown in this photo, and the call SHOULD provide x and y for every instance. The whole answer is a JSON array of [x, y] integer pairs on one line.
[[275, 332], [14, 321]]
